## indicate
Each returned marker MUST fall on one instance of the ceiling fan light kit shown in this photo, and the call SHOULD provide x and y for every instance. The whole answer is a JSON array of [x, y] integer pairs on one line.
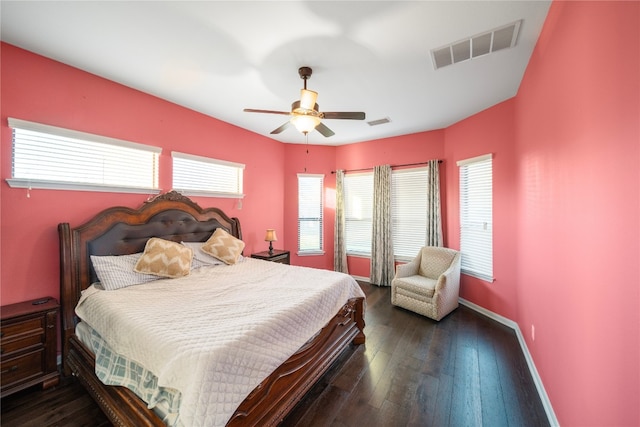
[[305, 113], [305, 123]]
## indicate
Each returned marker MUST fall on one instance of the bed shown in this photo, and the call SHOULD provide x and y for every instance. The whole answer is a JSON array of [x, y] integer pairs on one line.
[[171, 216]]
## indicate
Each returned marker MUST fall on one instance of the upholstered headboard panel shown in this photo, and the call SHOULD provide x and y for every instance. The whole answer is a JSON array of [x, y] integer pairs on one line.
[[175, 225]]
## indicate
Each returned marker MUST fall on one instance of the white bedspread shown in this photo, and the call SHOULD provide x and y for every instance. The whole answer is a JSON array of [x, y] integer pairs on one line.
[[216, 334]]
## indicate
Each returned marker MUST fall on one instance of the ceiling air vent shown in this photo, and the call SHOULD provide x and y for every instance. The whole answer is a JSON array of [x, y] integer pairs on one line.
[[378, 122], [475, 46]]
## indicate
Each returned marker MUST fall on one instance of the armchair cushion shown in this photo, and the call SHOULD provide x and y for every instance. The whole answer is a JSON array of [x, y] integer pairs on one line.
[[417, 285]]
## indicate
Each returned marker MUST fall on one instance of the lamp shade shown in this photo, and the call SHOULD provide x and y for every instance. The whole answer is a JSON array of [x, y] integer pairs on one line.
[[308, 99], [271, 236]]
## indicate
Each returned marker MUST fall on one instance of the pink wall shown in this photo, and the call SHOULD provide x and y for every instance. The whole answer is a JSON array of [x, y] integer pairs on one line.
[[40, 90], [491, 131], [566, 203], [566, 194], [578, 188], [312, 159]]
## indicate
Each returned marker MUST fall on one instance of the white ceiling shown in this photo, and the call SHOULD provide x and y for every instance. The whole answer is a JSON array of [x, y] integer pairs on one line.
[[218, 57]]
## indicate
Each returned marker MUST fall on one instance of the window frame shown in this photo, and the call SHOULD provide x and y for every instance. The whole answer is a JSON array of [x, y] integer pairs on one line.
[[54, 132], [348, 215], [476, 246], [394, 173], [204, 162], [319, 250], [423, 171]]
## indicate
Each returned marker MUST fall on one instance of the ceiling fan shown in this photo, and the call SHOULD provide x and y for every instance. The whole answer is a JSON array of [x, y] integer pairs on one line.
[[305, 113]]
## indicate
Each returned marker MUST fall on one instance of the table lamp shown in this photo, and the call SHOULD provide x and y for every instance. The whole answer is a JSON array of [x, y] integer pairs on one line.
[[270, 237]]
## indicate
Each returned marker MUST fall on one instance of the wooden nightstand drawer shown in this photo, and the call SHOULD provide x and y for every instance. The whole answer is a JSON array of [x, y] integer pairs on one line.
[[21, 343], [27, 326], [21, 368], [283, 257], [28, 345]]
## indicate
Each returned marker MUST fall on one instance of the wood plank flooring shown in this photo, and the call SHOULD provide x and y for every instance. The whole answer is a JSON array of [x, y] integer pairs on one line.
[[466, 370]]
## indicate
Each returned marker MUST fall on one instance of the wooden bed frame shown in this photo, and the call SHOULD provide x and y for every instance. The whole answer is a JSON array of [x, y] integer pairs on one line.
[[171, 216]]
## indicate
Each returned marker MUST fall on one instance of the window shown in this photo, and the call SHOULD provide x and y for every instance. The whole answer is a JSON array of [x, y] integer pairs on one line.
[[204, 176], [310, 214], [56, 158], [358, 212], [409, 200], [408, 212], [476, 217]]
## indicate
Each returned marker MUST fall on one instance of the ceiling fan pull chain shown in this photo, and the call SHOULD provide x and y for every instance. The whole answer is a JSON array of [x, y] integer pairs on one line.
[[306, 138]]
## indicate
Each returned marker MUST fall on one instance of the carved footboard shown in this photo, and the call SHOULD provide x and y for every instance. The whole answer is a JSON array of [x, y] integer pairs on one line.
[[267, 405], [276, 396]]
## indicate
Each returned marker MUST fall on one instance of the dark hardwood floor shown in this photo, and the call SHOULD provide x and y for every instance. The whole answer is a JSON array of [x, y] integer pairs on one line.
[[466, 370]]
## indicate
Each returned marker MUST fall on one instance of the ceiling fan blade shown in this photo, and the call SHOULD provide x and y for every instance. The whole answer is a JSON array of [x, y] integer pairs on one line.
[[324, 130], [251, 110], [281, 128], [349, 115]]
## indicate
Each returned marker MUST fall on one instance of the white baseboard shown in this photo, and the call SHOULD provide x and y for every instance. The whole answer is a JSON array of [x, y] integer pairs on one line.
[[546, 403], [362, 278]]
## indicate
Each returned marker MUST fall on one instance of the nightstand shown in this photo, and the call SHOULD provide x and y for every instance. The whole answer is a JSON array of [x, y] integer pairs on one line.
[[28, 345], [283, 257]]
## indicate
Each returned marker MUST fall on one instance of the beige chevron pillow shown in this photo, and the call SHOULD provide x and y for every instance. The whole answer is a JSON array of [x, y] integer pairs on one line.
[[165, 259], [223, 246]]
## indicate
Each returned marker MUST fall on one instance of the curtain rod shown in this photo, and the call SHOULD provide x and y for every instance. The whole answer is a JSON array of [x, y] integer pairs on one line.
[[392, 166]]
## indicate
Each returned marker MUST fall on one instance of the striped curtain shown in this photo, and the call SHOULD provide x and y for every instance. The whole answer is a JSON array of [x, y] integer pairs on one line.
[[339, 242], [382, 261], [434, 217]]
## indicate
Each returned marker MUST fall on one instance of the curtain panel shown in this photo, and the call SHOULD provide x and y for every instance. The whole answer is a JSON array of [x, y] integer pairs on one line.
[[434, 216], [339, 241], [382, 259]]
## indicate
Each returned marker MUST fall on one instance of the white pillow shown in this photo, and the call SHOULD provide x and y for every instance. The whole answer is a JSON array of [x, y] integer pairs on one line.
[[116, 271], [200, 258]]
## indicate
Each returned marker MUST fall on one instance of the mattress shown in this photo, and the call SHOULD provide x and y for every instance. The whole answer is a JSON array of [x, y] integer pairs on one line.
[[205, 341]]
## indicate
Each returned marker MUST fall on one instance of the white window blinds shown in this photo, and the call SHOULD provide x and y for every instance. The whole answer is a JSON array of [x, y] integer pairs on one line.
[[358, 207], [476, 217], [310, 213], [57, 158], [409, 211], [204, 176]]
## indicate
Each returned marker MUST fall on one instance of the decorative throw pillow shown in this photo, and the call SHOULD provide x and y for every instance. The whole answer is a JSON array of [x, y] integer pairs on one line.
[[116, 271], [223, 246], [165, 258], [200, 258]]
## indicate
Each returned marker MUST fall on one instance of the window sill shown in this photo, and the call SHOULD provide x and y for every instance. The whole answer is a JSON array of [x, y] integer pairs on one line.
[[480, 276], [198, 193], [359, 254], [76, 186], [309, 253]]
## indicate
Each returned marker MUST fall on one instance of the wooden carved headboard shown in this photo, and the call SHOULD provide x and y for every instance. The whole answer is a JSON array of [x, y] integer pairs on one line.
[[122, 230]]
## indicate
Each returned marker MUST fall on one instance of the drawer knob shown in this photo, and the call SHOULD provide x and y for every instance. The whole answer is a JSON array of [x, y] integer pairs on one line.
[[11, 369]]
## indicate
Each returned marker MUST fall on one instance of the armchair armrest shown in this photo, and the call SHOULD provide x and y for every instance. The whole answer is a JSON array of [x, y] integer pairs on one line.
[[409, 269], [451, 276]]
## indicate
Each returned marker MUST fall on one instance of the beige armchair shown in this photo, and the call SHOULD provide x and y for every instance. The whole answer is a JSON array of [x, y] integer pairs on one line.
[[428, 285]]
